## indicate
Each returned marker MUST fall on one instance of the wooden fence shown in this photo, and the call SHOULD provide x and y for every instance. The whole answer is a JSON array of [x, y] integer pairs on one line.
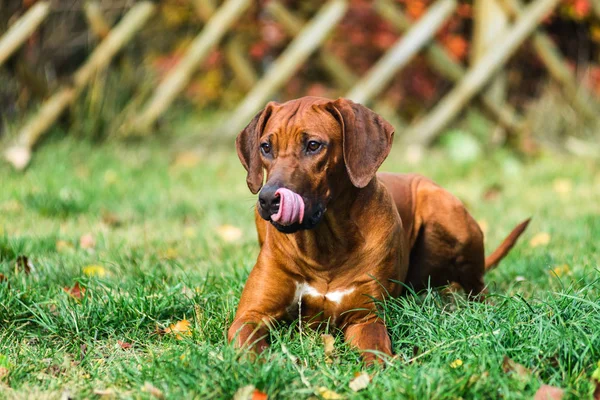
[[501, 27]]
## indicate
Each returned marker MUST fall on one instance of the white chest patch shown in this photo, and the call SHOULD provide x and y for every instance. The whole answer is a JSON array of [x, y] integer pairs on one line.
[[304, 289]]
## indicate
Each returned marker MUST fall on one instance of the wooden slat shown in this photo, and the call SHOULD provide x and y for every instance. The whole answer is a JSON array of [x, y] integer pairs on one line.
[[22, 29], [402, 52], [178, 77], [20, 154], [426, 130], [287, 63]]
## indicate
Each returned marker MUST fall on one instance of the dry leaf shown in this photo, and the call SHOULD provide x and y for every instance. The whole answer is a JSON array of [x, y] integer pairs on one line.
[[328, 344], [187, 159], [152, 390], [244, 393], [547, 392], [168, 254], [94, 270], [519, 370], [111, 219], [229, 233], [360, 382], [62, 246], [23, 264], [258, 395], [492, 192], [76, 291], [3, 373], [180, 328], [87, 241], [561, 270], [328, 394], [104, 392], [124, 345], [456, 363], [483, 225], [540, 239], [562, 186], [2, 278]]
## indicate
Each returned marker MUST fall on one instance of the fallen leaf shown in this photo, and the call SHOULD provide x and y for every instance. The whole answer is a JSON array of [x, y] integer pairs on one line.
[[124, 345], [492, 193], [328, 344], [360, 382], [562, 186], [244, 393], [229, 233], [152, 390], [76, 291], [456, 363], [180, 328], [23, 264], [87, 241], [187, 159], [105, 392], [540, 239], [328, 394], [168, 254], [94, 270], [3, 373], [2, 278], [62, 246], [111, 219], [547, 392], [258, 395], [510, 366], [561, 270]]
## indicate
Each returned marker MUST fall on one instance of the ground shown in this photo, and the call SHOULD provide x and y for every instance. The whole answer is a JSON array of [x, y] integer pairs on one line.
[[157, 236]]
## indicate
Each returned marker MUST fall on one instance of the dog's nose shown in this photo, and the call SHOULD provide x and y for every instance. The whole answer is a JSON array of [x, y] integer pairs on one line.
[[268, 200]]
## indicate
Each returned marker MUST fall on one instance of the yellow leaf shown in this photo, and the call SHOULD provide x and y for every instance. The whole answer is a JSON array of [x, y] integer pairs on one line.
[[456, 363], [187, 159], [561, 270], [189, 232], [360, 382], [562, 186], [94, 270], [168, 254], [540, 239], [483, 224], [229, 233], [110, 177], [180, 328], [62, 246], [328, 394]]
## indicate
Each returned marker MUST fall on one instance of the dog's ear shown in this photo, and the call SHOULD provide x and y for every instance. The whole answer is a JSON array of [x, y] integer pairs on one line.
[[248, 147], [367, 139]]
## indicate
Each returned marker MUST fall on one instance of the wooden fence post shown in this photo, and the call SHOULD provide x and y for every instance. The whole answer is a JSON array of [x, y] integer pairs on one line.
[[426, 130], [180, 75], [287, 63], [19, 155], [402, 52], [22, 29]]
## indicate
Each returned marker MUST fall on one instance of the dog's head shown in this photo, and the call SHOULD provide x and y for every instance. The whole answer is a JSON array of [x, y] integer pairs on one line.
[[311, 148]]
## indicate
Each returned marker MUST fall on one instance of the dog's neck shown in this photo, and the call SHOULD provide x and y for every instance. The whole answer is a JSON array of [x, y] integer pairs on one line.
[[335, 238]]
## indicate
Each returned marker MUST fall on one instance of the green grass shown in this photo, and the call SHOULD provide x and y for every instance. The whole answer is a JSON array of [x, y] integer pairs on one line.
[[166, 261]]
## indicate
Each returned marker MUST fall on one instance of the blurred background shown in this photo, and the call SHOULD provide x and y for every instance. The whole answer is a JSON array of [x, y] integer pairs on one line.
[[474, 75]]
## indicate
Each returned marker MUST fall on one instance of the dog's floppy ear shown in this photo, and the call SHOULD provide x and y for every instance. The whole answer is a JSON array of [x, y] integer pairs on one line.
[[248, 147], [367, 139]]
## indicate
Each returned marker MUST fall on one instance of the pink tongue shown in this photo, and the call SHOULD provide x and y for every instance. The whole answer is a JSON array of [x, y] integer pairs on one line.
[[291, 207]]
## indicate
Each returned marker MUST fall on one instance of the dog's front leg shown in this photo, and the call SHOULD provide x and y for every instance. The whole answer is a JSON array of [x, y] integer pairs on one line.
[[266, 295], [371, 339]]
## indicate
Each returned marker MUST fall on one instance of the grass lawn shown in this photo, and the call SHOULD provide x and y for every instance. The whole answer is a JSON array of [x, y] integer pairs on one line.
[[173, 239]]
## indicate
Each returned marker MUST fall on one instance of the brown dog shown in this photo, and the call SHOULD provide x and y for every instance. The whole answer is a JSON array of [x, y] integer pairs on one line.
[[334, 236]]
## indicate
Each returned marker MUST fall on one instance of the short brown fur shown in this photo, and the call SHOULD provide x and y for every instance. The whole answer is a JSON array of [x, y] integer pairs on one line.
[[377, 230]]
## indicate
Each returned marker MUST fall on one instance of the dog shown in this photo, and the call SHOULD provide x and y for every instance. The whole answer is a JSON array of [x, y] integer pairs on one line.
[[335, 236]]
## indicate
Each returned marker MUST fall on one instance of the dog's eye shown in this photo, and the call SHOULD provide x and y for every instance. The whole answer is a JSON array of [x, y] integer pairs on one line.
[[266, 148], [313, 146]]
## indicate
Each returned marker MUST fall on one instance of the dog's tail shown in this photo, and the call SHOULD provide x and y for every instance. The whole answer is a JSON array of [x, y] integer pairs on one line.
[[494, 259]]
